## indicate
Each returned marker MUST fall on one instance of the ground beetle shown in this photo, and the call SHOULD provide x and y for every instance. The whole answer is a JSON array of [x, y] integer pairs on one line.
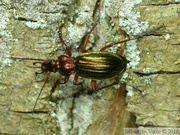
[[92, 65]]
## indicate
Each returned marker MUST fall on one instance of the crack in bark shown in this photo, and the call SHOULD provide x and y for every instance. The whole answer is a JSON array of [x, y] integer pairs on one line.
[[46, 12], [165, 4], [32, 112], [155, 35], [25, 19], [72, 114], [158, 72]]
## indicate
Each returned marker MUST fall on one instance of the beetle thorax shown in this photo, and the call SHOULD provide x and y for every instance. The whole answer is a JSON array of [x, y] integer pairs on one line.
[[66, 65]]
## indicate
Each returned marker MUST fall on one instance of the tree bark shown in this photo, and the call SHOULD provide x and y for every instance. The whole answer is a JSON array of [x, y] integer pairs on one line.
[[29, 29]]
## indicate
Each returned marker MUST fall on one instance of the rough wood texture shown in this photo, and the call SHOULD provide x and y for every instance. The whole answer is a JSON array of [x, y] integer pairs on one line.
[[29, 30]]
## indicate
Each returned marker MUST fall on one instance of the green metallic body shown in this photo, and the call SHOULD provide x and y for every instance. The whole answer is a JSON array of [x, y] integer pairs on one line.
[[99, 65]]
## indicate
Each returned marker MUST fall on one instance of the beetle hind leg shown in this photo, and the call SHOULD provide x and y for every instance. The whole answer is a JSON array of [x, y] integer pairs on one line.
[[93, 85]]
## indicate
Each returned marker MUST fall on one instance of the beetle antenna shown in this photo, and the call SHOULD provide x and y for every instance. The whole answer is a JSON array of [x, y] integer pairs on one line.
[[40, 93]]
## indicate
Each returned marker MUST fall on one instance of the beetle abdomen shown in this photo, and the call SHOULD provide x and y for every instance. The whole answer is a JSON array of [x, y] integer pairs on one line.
[[99, 65]]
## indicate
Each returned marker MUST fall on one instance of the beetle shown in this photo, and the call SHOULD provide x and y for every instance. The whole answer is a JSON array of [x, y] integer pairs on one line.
[[95, 66]]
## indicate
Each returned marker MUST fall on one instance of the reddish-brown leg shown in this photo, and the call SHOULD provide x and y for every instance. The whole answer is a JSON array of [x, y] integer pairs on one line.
[[75, 81], [112, 44], [86, 40], [66, 78], [68, 50], [93, 85], [137, 37], [83, 49]]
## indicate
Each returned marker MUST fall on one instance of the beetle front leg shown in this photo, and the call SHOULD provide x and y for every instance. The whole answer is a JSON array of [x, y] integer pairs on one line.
[[58, 83], [68, 50], [93, 85], [86, 40]]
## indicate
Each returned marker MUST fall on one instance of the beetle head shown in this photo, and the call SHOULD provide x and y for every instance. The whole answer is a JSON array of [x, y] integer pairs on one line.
[[50, 66]]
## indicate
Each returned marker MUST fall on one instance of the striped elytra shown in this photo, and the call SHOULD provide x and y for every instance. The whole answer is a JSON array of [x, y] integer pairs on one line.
[[99, 65]]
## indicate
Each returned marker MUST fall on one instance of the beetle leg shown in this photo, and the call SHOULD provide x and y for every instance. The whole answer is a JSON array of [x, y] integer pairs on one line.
[[68, 50], [75, 80], [112, 44], [93, 85], [58, 83], [136, 37], [86, 40]]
